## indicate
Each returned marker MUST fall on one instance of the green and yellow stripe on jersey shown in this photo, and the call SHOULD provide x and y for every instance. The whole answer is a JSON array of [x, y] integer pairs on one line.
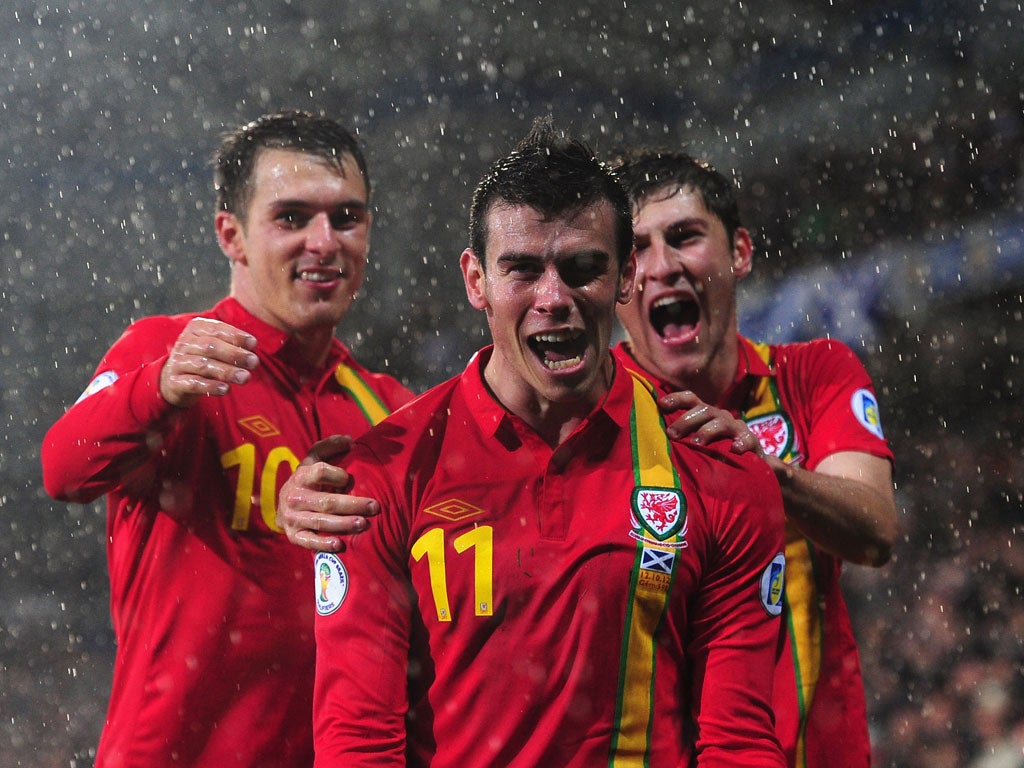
[[634, 708], [369, 403], [804, 621]]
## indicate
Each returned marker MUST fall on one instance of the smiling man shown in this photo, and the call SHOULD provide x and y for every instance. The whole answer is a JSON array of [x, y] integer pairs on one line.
[[814, 410], [550, 580], [191, 425]]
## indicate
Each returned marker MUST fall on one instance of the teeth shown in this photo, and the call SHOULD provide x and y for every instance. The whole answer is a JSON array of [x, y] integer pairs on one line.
[[319, 276], [554, 338], [666, 301], [558, 365]]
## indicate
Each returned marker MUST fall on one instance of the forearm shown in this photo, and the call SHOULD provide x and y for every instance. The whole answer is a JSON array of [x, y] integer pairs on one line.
[[107, 440], [853, 519]]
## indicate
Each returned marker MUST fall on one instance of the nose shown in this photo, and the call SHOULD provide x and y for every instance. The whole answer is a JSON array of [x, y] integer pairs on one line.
[[662, 261], [320, 235], [552, 294]]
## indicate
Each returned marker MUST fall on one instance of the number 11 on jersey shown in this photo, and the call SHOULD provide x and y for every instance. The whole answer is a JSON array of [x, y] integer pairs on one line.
[[481, 541]]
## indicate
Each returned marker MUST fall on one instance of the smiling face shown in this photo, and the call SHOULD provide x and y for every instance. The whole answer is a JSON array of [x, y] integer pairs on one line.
[[299, 254], [549, 289], [682, 321]]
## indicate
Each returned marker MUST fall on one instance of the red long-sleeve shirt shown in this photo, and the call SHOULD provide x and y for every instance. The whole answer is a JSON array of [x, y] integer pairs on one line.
[[210, 602], [541, 620], [806, 401]]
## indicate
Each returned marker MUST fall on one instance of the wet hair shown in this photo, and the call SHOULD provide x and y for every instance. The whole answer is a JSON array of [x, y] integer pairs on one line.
[[235, 158], [658, 174], [555, 175]]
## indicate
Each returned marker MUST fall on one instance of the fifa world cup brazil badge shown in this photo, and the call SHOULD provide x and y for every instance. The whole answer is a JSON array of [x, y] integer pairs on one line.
[[331, 583]]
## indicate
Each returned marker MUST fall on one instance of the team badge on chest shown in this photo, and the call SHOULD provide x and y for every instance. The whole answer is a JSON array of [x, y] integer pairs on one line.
[[775, 433], [660, 512]]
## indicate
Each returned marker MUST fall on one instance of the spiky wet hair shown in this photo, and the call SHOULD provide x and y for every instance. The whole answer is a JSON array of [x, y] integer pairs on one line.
[[555, 175]]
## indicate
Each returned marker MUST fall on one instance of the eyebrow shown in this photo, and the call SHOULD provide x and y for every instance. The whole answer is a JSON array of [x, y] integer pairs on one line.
[[305, 203]]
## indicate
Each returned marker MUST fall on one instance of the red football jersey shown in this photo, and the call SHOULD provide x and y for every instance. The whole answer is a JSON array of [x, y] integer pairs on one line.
[[518, 605], [210, 602], [806, 401]]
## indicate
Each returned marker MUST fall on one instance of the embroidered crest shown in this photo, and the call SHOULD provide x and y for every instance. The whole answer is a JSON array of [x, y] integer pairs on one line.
[[774, 432], [331, 583], [773, 580], [661, 511], [865, 408]]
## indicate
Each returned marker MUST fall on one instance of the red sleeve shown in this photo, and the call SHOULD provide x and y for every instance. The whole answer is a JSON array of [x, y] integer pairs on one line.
[[362, 638], [114, 435], [736, 625], [827, 385]]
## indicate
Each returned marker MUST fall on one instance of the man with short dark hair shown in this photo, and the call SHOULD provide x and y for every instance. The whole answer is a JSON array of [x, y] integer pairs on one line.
[[190, 426], [551, 580], [814, 409]]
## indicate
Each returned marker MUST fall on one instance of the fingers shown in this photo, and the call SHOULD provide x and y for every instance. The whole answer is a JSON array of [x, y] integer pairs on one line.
[[314, 514], [703, 424], [207, 359], [329, 449]]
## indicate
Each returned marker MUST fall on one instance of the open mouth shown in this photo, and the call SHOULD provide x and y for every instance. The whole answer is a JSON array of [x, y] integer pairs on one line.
[[559, 350], [673, 317]]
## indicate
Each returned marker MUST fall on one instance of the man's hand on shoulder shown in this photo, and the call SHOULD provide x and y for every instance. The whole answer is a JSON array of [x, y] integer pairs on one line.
[[313, 509], [207, 359], [703, 423]]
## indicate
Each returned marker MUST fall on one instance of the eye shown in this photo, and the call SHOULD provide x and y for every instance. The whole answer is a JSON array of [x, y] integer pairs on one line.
[[677, 237], [583, 269], [347, 218], [292, 219]]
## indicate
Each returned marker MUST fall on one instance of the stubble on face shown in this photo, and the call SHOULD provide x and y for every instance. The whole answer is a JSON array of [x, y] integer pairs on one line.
[[549, 293], [300, 254], [682, 323]]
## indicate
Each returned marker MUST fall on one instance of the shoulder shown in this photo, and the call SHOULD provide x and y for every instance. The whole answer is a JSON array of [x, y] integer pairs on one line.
[[719, 473], [387, 387], [812, 352], [150, 338], [422, 419]]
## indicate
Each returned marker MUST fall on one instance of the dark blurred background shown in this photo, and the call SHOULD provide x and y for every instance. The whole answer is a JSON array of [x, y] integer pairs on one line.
[[879, 148]]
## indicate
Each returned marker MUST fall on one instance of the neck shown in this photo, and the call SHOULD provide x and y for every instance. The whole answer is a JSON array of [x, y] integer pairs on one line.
[[553, 420], [313, 346]]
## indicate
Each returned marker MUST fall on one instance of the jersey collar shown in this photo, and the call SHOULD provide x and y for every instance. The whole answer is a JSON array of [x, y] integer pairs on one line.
[[493, 419]]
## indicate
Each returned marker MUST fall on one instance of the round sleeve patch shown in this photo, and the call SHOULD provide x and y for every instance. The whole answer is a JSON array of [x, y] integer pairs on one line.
[[865, 408], [331, 583], [102, 381], [772, 582]]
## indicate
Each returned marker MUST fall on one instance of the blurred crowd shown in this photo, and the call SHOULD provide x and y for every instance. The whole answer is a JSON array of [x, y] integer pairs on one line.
[[941, 628]]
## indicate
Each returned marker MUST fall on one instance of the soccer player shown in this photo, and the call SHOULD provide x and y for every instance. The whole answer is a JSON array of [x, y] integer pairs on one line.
[[190, 426], [551, 580], [814, 410]]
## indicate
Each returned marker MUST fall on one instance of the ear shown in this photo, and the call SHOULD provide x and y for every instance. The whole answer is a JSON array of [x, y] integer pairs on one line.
[[475, 279], [627, 279], [742, 253], [230, 236]]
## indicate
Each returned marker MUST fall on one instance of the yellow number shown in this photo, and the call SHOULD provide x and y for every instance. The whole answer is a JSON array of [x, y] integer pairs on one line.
[[481, 540], [244, 457], [431, 544], [268, 483]]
